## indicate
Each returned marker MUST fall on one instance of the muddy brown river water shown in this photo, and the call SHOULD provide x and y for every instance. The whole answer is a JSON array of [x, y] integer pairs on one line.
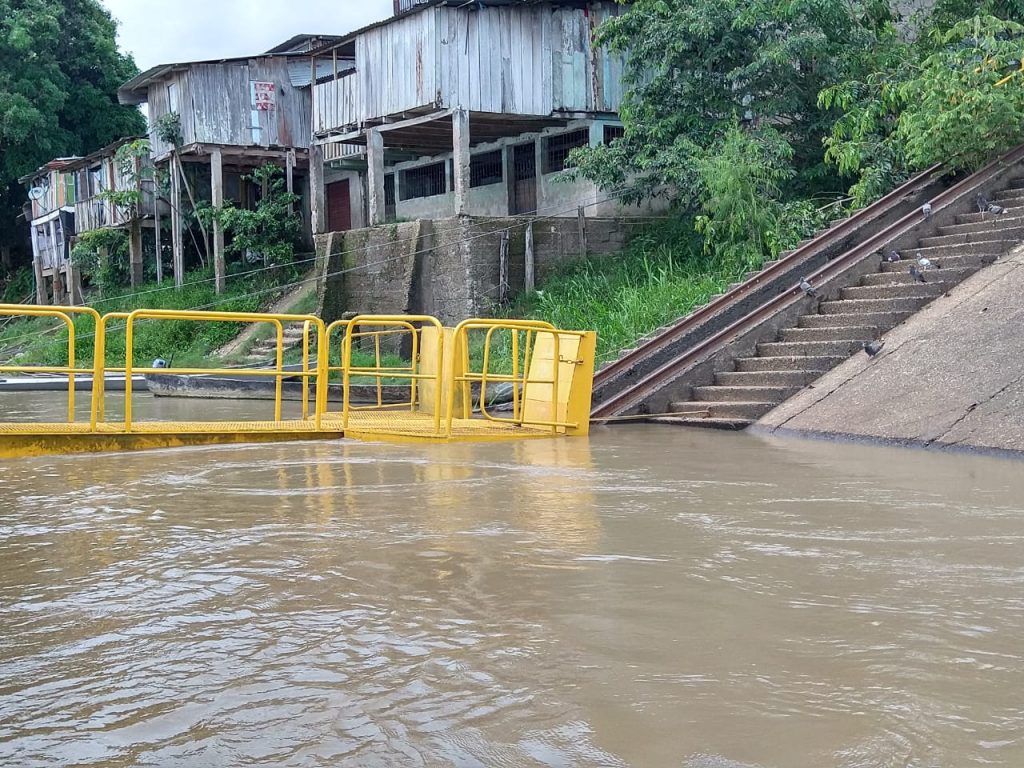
[[650, 597]]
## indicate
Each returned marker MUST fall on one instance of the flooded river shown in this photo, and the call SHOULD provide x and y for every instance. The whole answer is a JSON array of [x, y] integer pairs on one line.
[[650, 597]]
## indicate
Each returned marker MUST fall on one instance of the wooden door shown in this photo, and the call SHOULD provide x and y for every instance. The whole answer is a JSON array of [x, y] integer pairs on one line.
[[339, 207], [524, 180]]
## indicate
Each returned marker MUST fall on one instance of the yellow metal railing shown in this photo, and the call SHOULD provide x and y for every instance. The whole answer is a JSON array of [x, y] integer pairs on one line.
[[66, 315], [436, 366]]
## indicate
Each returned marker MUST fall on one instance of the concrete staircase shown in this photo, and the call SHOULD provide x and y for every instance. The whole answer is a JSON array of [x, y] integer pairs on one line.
[[265, 350], [883, 299]]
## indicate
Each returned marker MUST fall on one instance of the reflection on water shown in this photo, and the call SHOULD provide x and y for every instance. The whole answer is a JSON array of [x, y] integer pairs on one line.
[[651, 597]]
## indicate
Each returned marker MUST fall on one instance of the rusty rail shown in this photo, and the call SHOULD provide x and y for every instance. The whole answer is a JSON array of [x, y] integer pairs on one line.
[[634, 395]]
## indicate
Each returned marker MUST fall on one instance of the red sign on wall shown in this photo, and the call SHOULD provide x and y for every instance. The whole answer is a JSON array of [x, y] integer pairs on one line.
[[263, 96]]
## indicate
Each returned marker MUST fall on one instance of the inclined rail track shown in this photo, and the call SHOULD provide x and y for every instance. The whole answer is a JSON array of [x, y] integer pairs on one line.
[[632, 396]]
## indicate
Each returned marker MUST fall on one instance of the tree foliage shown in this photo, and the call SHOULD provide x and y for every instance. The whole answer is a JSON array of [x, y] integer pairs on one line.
[[269, 231], [59, 73]]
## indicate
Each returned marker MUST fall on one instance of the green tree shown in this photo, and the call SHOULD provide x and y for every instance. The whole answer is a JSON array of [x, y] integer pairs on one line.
[[695, 67], [59, 73], [952, 95]]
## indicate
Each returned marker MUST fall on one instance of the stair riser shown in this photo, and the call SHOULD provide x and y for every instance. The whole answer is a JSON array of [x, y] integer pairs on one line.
[[720, 410], [877, 319], [971, 261], [727, 394], [781, 363], [840, 333], [992, 224], [1013, 235], [913, 289], [1007, 195], [850, 306], [1014, 209], [808, 349], [798, 378], [905, 278]]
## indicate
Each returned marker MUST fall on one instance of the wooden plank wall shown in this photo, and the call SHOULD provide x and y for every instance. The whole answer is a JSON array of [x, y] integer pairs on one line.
[[535, 60], [215, 104]]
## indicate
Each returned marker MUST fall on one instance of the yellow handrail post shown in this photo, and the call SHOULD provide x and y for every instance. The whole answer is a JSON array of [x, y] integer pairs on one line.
[[129, 360], [305, 369], [279, 378]]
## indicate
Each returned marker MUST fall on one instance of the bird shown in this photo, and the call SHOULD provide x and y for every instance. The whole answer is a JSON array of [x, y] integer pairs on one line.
[[926, 209], [926, 263], [873, 347], [917, 274], [807, 288], [987, 206], [893, 256]]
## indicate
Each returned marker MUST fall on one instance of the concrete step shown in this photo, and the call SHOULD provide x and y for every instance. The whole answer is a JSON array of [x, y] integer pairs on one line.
[[707, 423], [878, 319], [964, 261], [742, 394], [1009, 194], [981, 247], [788, 363], [837, 333], [722, 409], [793, 378], [847, 306], [948, 276], [809, 348], [1017, 183], [1013, 208], [896, 290], [991, 223], [1014, 233]]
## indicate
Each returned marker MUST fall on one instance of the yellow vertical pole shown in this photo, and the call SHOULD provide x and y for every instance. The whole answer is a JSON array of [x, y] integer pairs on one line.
[[515, 374], [380, 378], [280, 370], [346, 354], [556, 365], [305, 370], [71, 367], [129, 340], [98, 373]]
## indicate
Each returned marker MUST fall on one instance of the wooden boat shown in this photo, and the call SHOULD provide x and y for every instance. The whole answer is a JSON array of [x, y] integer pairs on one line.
[[217, 386], [46, 382]]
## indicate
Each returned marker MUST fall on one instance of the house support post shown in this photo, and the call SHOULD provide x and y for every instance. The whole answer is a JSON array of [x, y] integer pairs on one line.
[[529, 264], [135, 251], [317, 210], [460, 142], [217, 197], [375, 176], [74, 283], [42, 297], [289, 176], [177, 246], [157, 239]]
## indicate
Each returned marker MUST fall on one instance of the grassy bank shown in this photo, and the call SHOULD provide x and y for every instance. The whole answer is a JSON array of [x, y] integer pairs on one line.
[[41, 341], [661, 276]]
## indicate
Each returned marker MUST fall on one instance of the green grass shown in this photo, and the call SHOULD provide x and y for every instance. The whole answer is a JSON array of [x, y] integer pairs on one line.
[[662, 276], [40, 341]]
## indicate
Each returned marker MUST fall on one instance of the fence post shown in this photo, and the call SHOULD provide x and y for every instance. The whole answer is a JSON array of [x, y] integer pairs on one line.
[[581, 220], [503, 286], [529, 266]]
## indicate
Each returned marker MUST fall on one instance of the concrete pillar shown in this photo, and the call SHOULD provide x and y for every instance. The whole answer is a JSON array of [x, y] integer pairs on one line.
[[217, 197], [177, 246], [135, 251], [538, 148], [375, 176], [289, 176], [460, 147], [317, 203]]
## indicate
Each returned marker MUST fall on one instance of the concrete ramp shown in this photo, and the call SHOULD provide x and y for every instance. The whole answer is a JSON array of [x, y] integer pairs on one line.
[[951, 375]]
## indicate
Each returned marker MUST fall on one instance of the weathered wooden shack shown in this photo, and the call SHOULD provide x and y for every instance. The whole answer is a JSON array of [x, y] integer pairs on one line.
[[51, 215], [230, 116], [99, 178], [455, 108]]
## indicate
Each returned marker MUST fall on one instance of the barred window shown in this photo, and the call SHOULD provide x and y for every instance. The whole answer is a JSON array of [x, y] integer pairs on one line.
[[425, 181], [486, 168], [613, 132], [557, 148]]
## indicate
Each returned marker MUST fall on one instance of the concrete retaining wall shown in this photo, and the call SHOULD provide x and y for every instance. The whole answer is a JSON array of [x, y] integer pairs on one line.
[[448, 268]]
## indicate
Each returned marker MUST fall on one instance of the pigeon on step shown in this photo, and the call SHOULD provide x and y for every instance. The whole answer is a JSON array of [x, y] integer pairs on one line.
[[807, 288], [873, 347], [987, 206], [926, 209], [893, 256], [926, 263], [917, 274]]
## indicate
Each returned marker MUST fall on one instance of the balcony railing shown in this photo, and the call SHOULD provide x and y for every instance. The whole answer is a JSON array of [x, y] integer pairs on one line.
[[336, 104]]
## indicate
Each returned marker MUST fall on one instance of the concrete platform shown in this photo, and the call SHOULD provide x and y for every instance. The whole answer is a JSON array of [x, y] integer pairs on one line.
[[951, 375], [40, 439]]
